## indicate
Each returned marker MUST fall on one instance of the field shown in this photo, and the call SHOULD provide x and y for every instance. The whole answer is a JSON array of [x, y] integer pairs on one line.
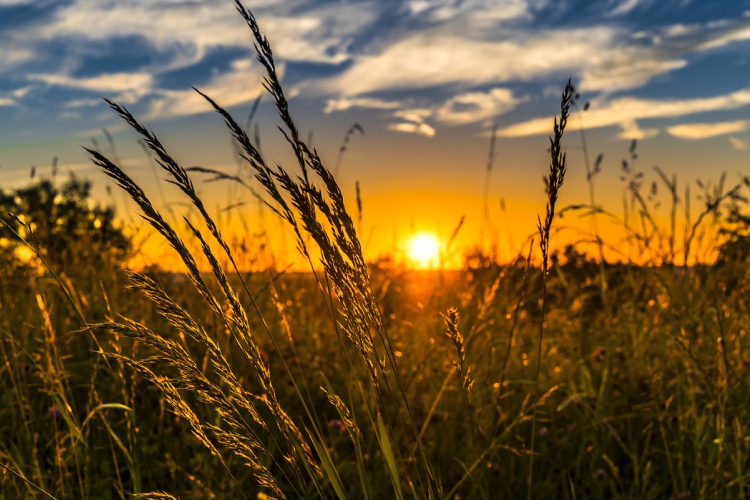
[[559, 374]]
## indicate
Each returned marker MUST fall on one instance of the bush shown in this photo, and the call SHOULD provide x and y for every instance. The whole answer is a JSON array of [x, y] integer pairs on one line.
[[66, 227]]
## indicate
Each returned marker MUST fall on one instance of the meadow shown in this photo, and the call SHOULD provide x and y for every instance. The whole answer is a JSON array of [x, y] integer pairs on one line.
[[559, 374]]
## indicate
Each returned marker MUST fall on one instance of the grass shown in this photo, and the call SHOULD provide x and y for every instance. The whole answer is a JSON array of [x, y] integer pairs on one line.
[[356, 380]]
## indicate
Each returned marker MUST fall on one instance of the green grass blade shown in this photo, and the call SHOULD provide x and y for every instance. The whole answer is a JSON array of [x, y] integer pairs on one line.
[[105, 406], [19, 476], [330, 469], [385, 446]]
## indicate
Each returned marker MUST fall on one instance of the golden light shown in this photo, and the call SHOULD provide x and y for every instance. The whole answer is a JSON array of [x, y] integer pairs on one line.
[[424, 251]]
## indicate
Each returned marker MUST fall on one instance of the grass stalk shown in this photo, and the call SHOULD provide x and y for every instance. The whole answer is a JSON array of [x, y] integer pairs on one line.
[[554, 183]]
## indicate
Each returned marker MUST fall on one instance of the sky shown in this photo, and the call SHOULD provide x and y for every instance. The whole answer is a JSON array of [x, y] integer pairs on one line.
[[427, 81]]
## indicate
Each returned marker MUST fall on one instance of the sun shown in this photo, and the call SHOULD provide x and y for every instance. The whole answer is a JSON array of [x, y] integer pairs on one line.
[[424, 251]]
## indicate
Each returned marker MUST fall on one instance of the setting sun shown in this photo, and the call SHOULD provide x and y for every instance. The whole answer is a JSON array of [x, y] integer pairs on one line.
[[424, 251]]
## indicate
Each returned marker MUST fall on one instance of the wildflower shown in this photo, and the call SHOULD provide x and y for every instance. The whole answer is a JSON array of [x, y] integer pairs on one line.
[[55, 412], [699, 395], [601, 475], [544, 431], [599, 354], [336, 425]]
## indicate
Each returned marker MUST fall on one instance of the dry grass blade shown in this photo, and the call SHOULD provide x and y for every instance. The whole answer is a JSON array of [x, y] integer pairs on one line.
[[272, 84], [191, 378], [356, 127], [451, 323], [344, 413], [156, 495], [221, 176]]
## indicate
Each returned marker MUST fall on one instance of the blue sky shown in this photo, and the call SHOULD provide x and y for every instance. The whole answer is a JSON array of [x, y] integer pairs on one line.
[[424, 77], [422, 65]]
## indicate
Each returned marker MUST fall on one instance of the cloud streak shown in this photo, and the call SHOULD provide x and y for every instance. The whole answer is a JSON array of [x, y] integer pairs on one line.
[[694, 131], [228, 88], [471, 107], [413, 128], [626, 110]]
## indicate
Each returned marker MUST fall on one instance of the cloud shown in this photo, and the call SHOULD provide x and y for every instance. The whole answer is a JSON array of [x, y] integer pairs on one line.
[[315, 33], [738, 34], [466, 107], [436, 58], [21, 92], [12, 55], [624, 110], [345, 103], [604, 57], [454, 53], [414, 128], [705, 130], [125, 87], [624, 7], [4, 101], [178, 34], [228, 89], [475, 10], [476, 106], [625, 70], [737, 144], [82, 103], [106, 82], [631, 130], [417, 115], [459, 47]]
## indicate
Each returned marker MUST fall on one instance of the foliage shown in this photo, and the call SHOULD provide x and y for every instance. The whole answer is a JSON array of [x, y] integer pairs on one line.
[[65, 227]]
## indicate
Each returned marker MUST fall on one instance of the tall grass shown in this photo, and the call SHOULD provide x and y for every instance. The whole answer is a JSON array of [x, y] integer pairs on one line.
[[554, 182]]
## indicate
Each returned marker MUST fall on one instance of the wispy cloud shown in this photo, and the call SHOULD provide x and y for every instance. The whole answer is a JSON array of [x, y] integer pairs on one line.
[[177, 34], [438, 58], [631, 130], [625, 110], [317, 33], [345, 103], [106, 82], [737, 144], [486, 10], [466, 107], [413, 128], [12, 56], [706, 130], [738, 34], [624, 7], [82, 103], [229, 89], [472, 107]]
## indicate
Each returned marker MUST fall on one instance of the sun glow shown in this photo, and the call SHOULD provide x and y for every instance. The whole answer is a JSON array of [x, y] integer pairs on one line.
[[424, 251]]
